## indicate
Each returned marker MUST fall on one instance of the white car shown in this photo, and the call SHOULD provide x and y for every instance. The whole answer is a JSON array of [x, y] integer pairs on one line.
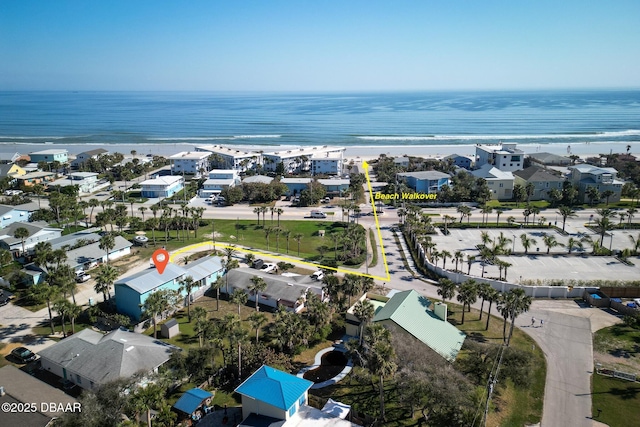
[[83, 278], [268, 268], [318, 275]]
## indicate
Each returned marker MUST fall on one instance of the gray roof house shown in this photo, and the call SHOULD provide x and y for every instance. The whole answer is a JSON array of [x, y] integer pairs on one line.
[[90, 359], [543, 181], [38, 232], [550, 159], [281, 290], [603, 179]]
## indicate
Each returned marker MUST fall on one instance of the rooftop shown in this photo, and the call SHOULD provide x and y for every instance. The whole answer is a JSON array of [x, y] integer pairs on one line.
[[536, 173], [488, 171], [95, 152], [191, 400], [258, 178], [274, 387], [426, 175], [103, 358], [162, 180], [410, 311], [288, 288], [190, 155], [150, 279], [50, 152], [304, 151]]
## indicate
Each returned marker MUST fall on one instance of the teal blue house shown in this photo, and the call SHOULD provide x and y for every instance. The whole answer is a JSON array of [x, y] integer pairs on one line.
[[132, 291], [49, 156], [427, 182]]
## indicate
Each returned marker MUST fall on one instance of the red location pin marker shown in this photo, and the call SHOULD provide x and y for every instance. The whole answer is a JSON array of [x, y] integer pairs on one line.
[[160, 259]]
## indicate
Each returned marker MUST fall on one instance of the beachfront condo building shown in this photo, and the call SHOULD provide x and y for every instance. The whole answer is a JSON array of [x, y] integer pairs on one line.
[[300, 159], [584, 177], [84, 157], [162, 186], [189, 163], [222, 157], [505, 157], [327, 163], [50, 156]]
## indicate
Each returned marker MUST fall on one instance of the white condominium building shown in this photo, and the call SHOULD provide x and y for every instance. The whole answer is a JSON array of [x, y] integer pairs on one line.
[[505, 157], [231, 158], [301, 159], [189, 162]]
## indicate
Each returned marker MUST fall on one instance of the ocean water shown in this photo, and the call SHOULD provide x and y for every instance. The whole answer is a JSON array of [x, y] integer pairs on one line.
[[349, 119]]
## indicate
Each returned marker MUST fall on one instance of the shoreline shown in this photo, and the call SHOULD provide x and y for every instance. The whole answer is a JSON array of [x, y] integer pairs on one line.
[[357, 152]]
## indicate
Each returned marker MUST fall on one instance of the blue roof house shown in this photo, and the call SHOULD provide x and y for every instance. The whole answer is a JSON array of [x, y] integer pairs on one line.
[[132, 291], [192, 400], [426, 182], [272, 393]]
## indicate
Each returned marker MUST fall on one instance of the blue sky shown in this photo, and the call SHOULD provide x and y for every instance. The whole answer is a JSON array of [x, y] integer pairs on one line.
[[318, 45]]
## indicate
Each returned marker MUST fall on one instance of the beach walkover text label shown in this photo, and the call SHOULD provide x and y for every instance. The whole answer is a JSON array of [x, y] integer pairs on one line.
[[404, 196]]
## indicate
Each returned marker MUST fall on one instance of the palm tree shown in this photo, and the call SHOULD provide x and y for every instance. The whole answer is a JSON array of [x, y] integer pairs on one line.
[[267, 233], [515, 303], [146, 398], [45, 292], [566, 212], [380, 358], [257, 211], [483, 292], [279, 211], [257, 320], [484, 236], [21, 233], [228, 266], [573, 243], [38, 190], [593, 195], [200, 321], [239, 297], [498, 213], [604, 223], [298, 237], [492, 296], [61, 307], [527, 242], [446, 289], [364, 311], [467, 295], [458, 256], [156, 304], [257, 285], [73, 311], [550, 241], [607, 194], [217, 285], [631, 212], [188, 284], [470, 260], [105, 278], [636, 243], [445, 254], [142, 210], [107, 242]]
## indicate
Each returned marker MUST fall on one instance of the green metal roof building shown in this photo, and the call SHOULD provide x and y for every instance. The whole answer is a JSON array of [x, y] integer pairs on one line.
[[414, 313]]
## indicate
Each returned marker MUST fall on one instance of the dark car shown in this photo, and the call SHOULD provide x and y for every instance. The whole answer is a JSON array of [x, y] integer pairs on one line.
[[23, 354], [5, 297], [257, 264]]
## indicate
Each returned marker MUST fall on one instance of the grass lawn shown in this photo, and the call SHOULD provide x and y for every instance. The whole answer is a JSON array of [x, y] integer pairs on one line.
[[542, 204], [513, 406], [618, 399], [45, 330], [616, 347]]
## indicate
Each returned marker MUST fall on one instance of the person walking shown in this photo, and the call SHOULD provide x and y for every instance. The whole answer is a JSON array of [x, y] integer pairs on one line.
[[541, 323], [533, 321]]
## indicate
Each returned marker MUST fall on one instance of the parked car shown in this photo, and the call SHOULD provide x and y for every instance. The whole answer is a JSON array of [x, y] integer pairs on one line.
[[318, 275], [83, 278], [269, 268], [23, 354], [257, 264], [5, 297], [140, 240]]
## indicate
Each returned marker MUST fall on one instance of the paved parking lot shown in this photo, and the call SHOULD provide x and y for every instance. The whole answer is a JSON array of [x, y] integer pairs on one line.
[[537, 264]]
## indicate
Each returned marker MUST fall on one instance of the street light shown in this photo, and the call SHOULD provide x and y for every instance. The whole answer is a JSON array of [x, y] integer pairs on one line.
[[610, 241]]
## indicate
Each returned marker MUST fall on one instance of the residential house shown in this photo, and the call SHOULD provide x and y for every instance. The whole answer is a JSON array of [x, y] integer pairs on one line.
[[586, 176], [427, 182], [23, 390], [259, 179], [33, 178], [90, 359], [281, 291], [12, 157], [132, 291], [83, 157], [295, 185], [86, 181], [402, 161], [327, 163], [416, 315], [459, 161], [273, 398], [50, 156], [189, 162], [193, 401], [334, 186], [299, 160], [542, 180], [499, 182], [11, 214], [38, 232], [219, 179], [550, 159], [505, 157], [11, 170], [162, 186], [231, 158]]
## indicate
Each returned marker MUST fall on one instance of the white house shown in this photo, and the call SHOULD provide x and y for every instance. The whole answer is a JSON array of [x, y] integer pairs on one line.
[[328, 163], [86, 181], [231, 158], [499, 182], [162, 186], [189, 162], [505, 157], [38, 232], [218, 180], [86, 155]]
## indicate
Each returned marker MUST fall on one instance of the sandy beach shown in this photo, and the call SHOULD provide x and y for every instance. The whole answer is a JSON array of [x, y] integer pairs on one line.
[[356, 152]]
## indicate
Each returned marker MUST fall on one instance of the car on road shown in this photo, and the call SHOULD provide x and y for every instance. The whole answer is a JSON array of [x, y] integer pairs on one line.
[[318, 275], [83, 278], [318, 214], [23, 354], [269, 268]]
